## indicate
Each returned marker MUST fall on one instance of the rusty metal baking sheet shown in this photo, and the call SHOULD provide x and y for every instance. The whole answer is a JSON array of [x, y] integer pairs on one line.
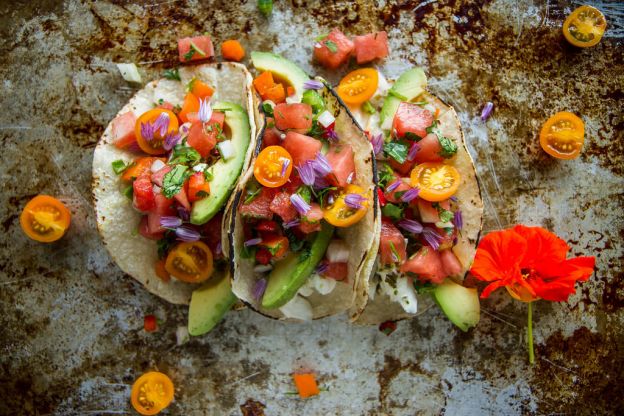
[[71, 338]]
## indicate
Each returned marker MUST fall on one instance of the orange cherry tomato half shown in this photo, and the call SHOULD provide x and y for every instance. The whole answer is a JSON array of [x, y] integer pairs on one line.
[[273, 166], [584, 27], [151, 393], [154, 145], [436, 181], [45, 219], [339, 214], [562, 135], [190, 262], [358, 86]]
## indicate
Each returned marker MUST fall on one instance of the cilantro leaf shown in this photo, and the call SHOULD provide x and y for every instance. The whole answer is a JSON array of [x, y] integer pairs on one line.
[[193, 49], [386, 175], [128, 192], [184, 154], [304, 192], [423, 287], [251, 195], [333, 48], [392, 211], [268, 110], [172, 74], [412, 136], [449, 148], [396, 150], [174, 180]]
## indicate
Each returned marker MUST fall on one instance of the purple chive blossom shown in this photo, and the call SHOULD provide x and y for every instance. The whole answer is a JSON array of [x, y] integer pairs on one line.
[[171, 140], [285, 165], [320, 183], [411, 226], [322, 267], [187, 234], [291, 224], [170, 222], [218, 249], [411, 155], [458, 220], [410, 194], [161, 125], [205, 111], [300, 204], [331, 135], [183, 213], [377, 141], [487, 110], [313, 85], [259, 288], [253, 242], [394, 185], [147, 131], [306, 173], [354, 201], [431, 237], [321, 165], [453, 198]]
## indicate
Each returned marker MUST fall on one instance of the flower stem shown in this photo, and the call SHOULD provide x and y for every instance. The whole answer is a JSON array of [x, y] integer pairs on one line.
[[530, 335]]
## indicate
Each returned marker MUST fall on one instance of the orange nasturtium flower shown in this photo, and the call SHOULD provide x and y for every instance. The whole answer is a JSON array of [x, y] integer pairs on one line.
[[531, 263]]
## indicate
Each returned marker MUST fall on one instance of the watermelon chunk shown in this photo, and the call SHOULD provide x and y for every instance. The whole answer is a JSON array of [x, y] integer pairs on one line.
[[412, 118], [272, 136], [392, 196], [370, 47], [450, 263], [301, 147], [391, 244], [260, 207], [159, 176], [334, 50], [403, 168], [203, 137], [429, 149], [162, 205], [336, 271], [282, 206], [123, 130], [340, 158], [148, 232], [202, 48], [297, 116], [428, 213], [426, 264]]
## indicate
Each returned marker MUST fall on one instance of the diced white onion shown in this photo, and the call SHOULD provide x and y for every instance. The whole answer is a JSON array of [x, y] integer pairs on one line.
[[324, 285], [326, 118], [292, 99], [403, 293], [307, 289], [130, 72], [157, 165], [182, 335], [337, 252], [298, 308], [226, 149], [200, 167], [261, 268]]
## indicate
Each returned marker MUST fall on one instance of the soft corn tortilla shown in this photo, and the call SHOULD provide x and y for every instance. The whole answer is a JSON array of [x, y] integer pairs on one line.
[[361, 237], [382, 308], [117, 221]]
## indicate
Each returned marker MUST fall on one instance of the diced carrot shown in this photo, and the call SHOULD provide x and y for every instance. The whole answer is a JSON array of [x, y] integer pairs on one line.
[[140, 165], [232, 50], [290, 90], [263, 82], [276, 94], [306, 385], [161, 271], [201, 89], [190, 105]]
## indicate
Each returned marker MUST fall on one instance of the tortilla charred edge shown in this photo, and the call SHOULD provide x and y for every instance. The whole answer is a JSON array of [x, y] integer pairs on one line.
[[357, 314], [174, 292], [261, 127]]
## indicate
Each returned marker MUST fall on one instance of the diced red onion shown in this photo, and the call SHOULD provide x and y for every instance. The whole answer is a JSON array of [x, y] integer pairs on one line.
[[285, 165], [313, 85], [354, 201], [306, 172], [321, 165], [259, 288], [253, 242], [147, 131], [458, 220], [410, 194], [157, 165], [291, 224], [205, 110], [168, 221], [377, 141], [322, 267], [326, 119], [487, 110], [411, 225], [161, 124], [183, 213], [300, 204], [187, 234], [411, 155], [394, 185], [337, 251], [171, 139], [431, 237], [331, 135]]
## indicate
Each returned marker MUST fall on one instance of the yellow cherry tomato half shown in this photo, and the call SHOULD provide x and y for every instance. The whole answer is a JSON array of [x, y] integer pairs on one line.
[[190, 262], [436, 181], [584, 27], [151, 393], [45, 219], [273, 166], [152, 144], [340, 214], [358, 86], [563, 135]]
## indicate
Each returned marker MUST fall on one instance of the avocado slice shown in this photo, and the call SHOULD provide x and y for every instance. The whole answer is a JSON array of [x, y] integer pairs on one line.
[[460, 304], [208, 305], [290, 274], [225, 172], [410, 85], [282, 68]]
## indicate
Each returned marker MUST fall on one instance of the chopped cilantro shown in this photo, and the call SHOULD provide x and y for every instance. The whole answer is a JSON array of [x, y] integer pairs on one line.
[[449, 148], [201, 194], [432, 127], [268, 110], [321, 37], [396, 150], [184, 154], [172, 74], [189, 86], [294, 243], [423, 287], [445, 215], [208, 175], [392, 211], [323, 192], [251, 195], [174, 180], [192, 50], [119, 166], [395, 252], [248, 252], [316, 130], [333, 48], [412, 136], [165, 243], [386, 175]]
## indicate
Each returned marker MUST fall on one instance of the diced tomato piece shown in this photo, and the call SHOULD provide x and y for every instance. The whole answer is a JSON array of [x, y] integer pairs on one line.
[[381, 197], [153, 224], [340, 158], [143, 194], [182, 198], [139, 166], [277, 245], [301, 147], [202, 48], [198, 187], [144, 230], [391, 244], [395, 195], [123, 130], [370, 47], [267, 226], [450, 263], [411, 118], [314, 215], [296, 116], [263, 256], [282, 206], [307, 228], [429, 149], [211, 234], [426, 264], [163, 205], [337, 271], [260, 207], [293, 184], [403, 168], [429, 213], [338, 51], [159, 176]]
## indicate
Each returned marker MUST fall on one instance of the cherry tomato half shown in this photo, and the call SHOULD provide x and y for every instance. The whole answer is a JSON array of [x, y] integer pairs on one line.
[[45, 219], [358, 86], [151, 393], [154, 145], [190, 262], [562, 135], [436, 181], [339, 214], [584, 27], [273, 166]]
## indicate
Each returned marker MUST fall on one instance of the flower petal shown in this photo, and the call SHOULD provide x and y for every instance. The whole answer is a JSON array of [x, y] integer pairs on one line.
[[498, 256], [542, 246]]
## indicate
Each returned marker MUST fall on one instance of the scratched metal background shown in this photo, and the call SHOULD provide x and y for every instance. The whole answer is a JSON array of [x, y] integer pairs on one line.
[[71, 339]]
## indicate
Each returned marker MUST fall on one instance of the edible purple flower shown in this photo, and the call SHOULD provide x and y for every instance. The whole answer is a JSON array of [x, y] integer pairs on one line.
[[410, 194], [147, 131], [253, 242], [170, 221], [313, 85], [218, 249], [187, 234], [320, 183], [300, 204], [453, 198], [431, 237], [161, 124], [205, 110], [487, 110], [394, 185], [411, 225], [291, 224], [321, 165], [377, 141], [355, 201], [306, 173], [411, 155], [259, 288], [458, 220], [285, 165], [171, 140], [322, 267], [183, 213]]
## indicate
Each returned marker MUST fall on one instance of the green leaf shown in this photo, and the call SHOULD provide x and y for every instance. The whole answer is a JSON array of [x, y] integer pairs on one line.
[[248, 252], [423, 287], [316, 130], [165, 244], [265, 6], [251, 195], [396, 150], [395, 252], [322, 193], [192, 51], [201, 194], [368, 108], [172, 74], [321, 37], [412, 136], [268, 110], [432, 127], [119, 166], [174, 180], [386, 175], [128, 192], [183, 154], [333, 48], [304, 192], [392, 211], [449, 148], [208, 174]]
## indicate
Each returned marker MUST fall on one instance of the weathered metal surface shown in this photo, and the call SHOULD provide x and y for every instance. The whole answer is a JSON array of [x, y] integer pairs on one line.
[[71, 336]]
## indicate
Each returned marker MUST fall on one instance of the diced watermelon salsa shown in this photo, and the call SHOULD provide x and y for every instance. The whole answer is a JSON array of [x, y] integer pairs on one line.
[[197, 48], [370, 47], [335, 48]]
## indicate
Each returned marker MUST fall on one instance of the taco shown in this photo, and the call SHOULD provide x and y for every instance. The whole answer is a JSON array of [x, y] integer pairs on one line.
[[430, 205], [163, 173], [304, 214]]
